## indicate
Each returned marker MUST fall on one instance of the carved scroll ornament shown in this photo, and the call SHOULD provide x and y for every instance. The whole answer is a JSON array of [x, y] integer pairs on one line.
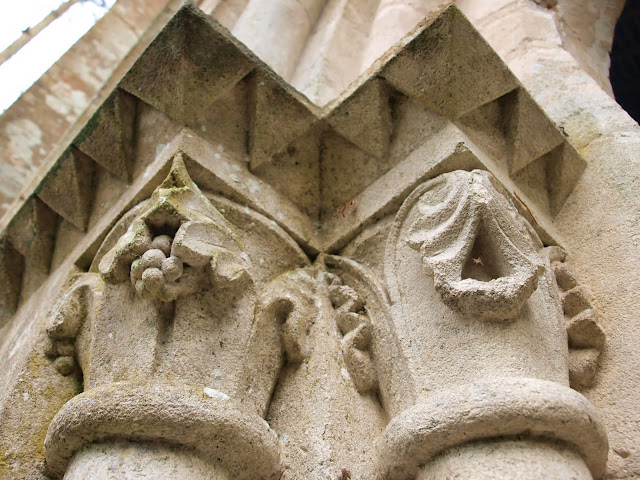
[[474, 244], [67, 319]]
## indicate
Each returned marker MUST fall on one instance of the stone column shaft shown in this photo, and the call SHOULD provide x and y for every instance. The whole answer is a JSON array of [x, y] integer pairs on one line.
[[277, 30]]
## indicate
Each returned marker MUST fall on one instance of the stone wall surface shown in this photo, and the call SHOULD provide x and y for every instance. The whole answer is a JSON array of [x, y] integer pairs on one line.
[[36, 121], [599, 221], [424, 268]]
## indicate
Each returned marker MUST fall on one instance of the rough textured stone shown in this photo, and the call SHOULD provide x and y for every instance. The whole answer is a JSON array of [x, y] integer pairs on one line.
[[398, 284], [33, 125]]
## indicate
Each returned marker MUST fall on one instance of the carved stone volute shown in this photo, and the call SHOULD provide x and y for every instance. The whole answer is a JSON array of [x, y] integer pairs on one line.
[[311, 356]]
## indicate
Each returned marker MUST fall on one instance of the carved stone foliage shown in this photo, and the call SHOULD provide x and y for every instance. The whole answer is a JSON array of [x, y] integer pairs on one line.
[[287, 309], [369, 343], [476, 310], [67, 319], [584, 333], [309, 331], [459, 252], [475, 246], [179, 227], [202, 304]]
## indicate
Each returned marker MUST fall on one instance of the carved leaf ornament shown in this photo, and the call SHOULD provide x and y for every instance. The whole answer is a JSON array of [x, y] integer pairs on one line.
[[176, 241], [472, 241]]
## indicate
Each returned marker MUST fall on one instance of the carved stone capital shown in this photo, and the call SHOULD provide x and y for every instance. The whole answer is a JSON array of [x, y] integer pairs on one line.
[[159, 334]]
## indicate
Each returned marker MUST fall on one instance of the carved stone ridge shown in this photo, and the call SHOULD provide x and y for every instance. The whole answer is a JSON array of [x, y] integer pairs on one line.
[[584, 334], [501, 407], [474, 244], [177, 414], [356, 327]]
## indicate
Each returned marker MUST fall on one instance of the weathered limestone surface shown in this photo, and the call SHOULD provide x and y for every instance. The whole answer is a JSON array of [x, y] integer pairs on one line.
[[599, 222], [214, 277], [587, 33], [35, 123], [319, 46]]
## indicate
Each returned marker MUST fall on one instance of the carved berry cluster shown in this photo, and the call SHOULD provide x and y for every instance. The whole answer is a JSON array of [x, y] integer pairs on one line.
[[156, 267]]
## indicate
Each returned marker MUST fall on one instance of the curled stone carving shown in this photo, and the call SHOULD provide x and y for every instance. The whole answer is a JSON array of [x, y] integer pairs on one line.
[[310, 349], [365, 321], [284, 313], [67, 318], [475, 246], [286, 310]]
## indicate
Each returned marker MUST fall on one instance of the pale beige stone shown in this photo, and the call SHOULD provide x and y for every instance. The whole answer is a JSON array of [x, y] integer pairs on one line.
[[392, 20], [587, 33], [326, 67], [214, 277], [479, 461], [276, 30]]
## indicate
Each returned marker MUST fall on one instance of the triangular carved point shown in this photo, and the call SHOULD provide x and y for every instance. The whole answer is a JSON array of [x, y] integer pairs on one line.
[[179, 192], [456, 212], [175, 206], [178, 176]]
